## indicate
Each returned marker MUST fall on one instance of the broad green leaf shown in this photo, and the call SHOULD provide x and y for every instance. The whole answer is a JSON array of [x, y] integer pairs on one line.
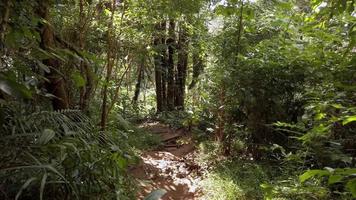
[[156, 195], [347, 171], [351, 185], [311, 173], [13, 88], [349, 120], [334, 179]]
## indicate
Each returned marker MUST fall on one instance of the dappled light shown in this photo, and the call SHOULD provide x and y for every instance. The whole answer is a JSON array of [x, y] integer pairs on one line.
[[178, 99], [167, 168]]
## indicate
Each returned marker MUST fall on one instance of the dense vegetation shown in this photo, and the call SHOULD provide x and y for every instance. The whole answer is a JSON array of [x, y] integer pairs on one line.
[[267, 87]]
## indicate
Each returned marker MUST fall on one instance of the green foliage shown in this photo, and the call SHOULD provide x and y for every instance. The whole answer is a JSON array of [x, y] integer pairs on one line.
[[281, 85], [60, 154], [277, 84], [9, 86], [345, 175], [239, 179]]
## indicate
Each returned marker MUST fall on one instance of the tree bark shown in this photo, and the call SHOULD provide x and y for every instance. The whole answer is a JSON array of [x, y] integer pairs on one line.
[[140, 76], [158, 69], [56, 83], [164, 65], [181, 68], [170, 66]]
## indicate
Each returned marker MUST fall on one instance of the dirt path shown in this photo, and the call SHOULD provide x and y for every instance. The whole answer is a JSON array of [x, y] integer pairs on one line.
[[171, 167]]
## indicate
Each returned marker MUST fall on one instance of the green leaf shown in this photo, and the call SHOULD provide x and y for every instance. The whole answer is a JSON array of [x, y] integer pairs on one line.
[[24, 186], [78, 80], [311, 173], [46, 136], [349, 120], [43, 183], [334, 179], [156, 195], [351, 185], [268, 190], [121, 162], [13, 88]]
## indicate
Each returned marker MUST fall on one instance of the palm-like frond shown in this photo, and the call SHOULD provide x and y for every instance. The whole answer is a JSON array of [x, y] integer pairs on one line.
[[60, 150]]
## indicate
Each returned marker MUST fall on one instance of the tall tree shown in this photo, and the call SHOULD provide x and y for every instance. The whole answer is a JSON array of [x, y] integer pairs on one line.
[[164, 64], [56, 83], [158, 62], [170, 66], [109, 65], [182, 66]]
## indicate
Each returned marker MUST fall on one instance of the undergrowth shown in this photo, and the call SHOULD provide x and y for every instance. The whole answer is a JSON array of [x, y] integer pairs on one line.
[[243, 178], [62, 155], [236, 179]]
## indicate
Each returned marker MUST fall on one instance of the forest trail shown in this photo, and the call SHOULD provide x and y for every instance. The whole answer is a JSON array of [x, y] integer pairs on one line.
[[170, 167]]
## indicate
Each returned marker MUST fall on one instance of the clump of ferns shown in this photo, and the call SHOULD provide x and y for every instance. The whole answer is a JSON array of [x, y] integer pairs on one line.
[[57, 154]]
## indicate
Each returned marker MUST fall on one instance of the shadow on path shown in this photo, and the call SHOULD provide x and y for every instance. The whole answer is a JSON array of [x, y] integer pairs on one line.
[[170, 167]]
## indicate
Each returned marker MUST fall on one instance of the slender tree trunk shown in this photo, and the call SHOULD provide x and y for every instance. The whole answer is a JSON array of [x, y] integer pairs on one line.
[[85, 91], [119, 81], [56, 84], [181, 68], [221, 115], [109, 67], [158, 71], [170, 66], [140, 76], [164, 65]]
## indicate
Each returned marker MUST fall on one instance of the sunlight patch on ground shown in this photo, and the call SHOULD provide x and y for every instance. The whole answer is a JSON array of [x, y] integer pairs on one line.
[[172, 167]]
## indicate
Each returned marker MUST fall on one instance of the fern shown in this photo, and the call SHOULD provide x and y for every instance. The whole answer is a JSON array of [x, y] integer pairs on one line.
[[59, 150]]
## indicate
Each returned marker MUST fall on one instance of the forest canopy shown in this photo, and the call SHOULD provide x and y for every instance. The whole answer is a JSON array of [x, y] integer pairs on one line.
[[263, 92]]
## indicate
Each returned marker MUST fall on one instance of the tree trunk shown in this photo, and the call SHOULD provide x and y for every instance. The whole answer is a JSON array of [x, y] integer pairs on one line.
[[181, 68], [219, 131], [198, 67], [158, 69], [109, 67], [170, 66], [140, 76], [164, 66], [56, 84], [85, 91]]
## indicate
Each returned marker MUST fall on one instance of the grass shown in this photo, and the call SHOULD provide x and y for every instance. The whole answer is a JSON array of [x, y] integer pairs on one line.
[[235, 179]]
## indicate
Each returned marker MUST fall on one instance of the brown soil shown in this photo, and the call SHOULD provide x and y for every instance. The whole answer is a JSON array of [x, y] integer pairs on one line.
[[171, 167]]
